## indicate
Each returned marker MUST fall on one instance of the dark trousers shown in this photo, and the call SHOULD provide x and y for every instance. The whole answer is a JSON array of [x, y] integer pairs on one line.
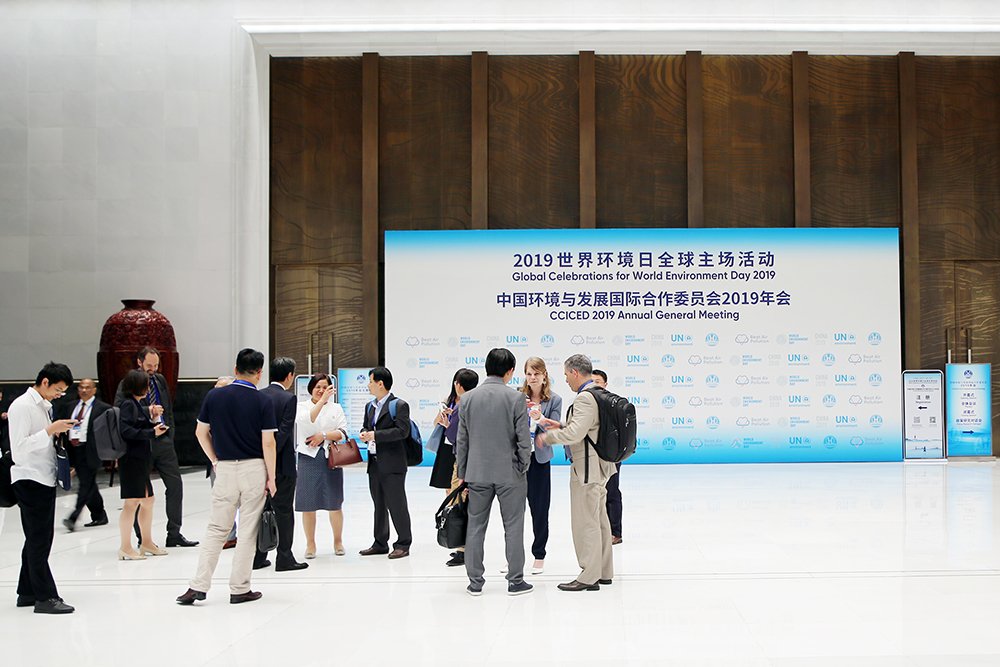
[[87, 494], [614, 503], [38, 512], [165, 463], [389, 495], [284, 514], [539, 499]]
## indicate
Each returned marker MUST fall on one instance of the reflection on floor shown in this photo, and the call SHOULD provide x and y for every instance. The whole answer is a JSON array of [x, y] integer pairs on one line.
[[860, 564]]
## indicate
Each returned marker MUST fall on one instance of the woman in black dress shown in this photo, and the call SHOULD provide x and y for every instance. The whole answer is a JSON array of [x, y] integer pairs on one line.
[[137, 430]]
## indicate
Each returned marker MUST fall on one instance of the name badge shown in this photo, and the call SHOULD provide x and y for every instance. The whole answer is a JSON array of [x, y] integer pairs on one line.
[[75, 432]]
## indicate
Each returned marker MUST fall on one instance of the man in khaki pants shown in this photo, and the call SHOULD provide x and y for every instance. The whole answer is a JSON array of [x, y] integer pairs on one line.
[[236, 430], [588, 492]]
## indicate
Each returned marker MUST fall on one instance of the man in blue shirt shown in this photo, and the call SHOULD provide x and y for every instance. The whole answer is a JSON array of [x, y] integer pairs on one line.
[[236, 430]]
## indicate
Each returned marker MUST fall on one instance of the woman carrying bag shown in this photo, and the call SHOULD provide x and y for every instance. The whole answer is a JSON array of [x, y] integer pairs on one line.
[[318, 421], [444, 475]]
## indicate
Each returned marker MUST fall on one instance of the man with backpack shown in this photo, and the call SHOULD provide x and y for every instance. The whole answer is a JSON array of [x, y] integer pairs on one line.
[[389, 435], [589, 475]]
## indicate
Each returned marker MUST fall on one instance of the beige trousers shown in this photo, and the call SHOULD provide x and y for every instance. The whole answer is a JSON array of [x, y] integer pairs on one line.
[[238, 485], [591, 529]]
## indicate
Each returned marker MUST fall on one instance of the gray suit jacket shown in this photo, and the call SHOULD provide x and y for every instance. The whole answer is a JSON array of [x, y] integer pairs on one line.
[[551, 409], [494, 445]]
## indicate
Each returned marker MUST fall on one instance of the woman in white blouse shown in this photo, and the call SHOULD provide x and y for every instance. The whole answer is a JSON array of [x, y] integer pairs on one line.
[[318, 421]]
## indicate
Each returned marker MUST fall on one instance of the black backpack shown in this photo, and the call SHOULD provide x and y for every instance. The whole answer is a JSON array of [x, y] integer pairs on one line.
[[107, 437], [616, 433]]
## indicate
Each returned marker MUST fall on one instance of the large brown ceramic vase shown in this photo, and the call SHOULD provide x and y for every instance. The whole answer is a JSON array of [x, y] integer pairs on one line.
[[126, 332]]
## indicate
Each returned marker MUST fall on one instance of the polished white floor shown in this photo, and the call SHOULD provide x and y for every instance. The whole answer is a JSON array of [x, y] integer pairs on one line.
[[858, 564]]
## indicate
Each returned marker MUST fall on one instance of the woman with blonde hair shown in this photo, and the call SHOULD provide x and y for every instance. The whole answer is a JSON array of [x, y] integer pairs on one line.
[[542, 402]]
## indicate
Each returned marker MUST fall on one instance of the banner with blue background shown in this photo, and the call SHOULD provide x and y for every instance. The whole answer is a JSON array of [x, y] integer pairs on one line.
[[735, 345]]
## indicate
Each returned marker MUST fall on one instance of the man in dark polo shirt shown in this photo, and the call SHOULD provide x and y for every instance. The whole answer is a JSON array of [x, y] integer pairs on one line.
[[236, 430]]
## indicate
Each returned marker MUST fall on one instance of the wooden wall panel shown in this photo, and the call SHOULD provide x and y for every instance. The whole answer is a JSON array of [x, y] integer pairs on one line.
[[534, 142], [958, 115], [323, 299], [854, 121], [748, 141], [425, 143], [641, 142], [315, 160], [937, 299]]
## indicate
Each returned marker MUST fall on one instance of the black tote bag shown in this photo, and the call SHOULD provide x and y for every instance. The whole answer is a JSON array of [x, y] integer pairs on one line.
[[452, 519], [267, 533]]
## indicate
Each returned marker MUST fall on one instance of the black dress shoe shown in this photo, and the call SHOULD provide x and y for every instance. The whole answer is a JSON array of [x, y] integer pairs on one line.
[[261, 565], [25, 601], [288, 567], [249, 596], [190, 596], [373, 551], [69, 524], [53, 606], [180, 541], [100, 521], [604, 582], [575, 586], [457, 559]]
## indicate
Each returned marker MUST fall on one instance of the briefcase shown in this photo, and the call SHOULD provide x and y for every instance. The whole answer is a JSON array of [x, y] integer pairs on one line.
[[452, 519], [63, 475], [267, 533], [343, 453]]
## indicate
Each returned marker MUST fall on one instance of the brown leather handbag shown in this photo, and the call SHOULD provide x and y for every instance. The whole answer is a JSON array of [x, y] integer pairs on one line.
[[343, 453]]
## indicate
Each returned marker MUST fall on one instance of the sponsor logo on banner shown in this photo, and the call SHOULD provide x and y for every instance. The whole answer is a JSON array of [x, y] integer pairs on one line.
[[875, 380], [412, 341], [797, 359], [845, 379], [681, 381], [577, 340], [681, 339], [829, 359], [875, 421], [829, 400], [639, 401], [517, 341], [669, 402], [843, 338], [712, 422], [669, 443], [874, 338], [798, 401], [695, 359], [636, 360], [548, 340], [712, 339], [668, 361], [830, 442], [712, 381], [799, 441]]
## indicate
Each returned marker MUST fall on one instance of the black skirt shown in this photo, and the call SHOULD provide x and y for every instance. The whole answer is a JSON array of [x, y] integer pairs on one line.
[[444, 467], [133, 475]]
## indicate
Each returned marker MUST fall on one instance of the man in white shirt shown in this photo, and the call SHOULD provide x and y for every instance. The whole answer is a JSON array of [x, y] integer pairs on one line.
[[34, 482]]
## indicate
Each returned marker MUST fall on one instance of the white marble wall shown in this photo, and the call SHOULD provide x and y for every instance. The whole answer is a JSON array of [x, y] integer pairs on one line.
[[133, 137]]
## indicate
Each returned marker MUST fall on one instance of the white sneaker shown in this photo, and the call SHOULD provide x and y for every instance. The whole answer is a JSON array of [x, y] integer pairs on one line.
[[538, 567], [503, 570]]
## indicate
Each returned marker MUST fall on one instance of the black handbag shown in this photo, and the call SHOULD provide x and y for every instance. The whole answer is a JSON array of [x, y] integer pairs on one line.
[[7, 498], [267, 532], [452, 519]]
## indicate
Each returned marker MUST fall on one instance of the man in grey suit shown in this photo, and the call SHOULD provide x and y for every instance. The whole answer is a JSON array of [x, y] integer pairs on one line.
[[492, 453]]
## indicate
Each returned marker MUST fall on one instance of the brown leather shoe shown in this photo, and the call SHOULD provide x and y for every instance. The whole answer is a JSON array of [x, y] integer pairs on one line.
[[575, 586], [372, 551], [616, 539], [229, 544], [249, 596], [399, 553], [190, 596]]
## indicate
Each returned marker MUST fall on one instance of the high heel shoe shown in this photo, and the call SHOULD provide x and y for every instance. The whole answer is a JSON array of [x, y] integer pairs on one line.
[[127, 556], [339, 551], [310, 554], [151, 550]]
